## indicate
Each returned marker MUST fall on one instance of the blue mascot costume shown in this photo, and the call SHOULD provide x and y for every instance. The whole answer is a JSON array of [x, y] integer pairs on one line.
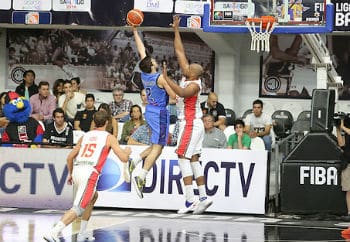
[[22, 128]]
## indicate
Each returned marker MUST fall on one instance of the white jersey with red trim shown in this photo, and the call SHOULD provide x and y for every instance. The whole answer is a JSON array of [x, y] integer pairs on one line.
[[189, 108], [93, 149]]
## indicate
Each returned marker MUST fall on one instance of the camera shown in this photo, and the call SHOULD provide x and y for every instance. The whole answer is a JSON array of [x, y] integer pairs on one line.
[[341, 116]]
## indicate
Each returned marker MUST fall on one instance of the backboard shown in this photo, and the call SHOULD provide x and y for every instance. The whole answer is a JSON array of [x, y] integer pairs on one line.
[[293, 16]]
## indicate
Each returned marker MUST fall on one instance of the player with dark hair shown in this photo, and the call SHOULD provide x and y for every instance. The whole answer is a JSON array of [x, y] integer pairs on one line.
[[156, 115], [85, 163]]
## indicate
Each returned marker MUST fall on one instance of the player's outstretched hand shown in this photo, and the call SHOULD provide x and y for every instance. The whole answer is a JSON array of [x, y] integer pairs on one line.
[[176, 22], [127, 150], [70, 179]]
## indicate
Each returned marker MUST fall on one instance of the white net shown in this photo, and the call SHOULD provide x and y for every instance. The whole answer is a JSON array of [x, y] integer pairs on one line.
[[260, 37]]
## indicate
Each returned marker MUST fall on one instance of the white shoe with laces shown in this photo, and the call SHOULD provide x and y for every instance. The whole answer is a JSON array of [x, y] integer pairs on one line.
[[86, 236], [188, 207], [203, 204], [51, 237]]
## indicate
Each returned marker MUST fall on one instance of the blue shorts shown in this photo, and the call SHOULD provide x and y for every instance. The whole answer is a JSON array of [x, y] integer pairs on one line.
[[158, 120]]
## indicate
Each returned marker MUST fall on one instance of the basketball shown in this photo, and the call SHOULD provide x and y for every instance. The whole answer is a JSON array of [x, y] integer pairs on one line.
[[134, 17]]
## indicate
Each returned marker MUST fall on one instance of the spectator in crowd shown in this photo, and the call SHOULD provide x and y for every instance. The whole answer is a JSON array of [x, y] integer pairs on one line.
[[59, 132], [71, 101], [239, 140], [172, 110], [3, 119], [343, 138], [213, 137], [258, 124], [213, 107], [120, 107], [57, 88], [112, 125], [144, 101], [173, 136], [136, 120], [76, 85], [28, 87], [141, 136], [83, 119], [43, 103]]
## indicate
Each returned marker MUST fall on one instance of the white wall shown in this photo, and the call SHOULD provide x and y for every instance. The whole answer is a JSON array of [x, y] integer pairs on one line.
[[236, 74]]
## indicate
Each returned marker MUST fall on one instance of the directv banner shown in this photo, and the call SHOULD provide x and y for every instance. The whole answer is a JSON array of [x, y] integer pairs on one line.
[[235, 180], [158, 6], [36, 178], [341, 15], [190, 7]]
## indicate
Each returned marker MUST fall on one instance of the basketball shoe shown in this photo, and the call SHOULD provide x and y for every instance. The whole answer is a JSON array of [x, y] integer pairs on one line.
[[51, 237], [139, 185], [188, 207], [86, 236], [203, 204]]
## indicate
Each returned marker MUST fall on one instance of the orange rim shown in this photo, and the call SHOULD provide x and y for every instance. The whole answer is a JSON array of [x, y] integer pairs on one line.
[[263, 19]]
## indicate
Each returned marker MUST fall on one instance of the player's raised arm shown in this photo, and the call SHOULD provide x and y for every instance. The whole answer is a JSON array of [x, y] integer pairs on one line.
[[179, 48], [123, 154], [139, 44], [163, 83]]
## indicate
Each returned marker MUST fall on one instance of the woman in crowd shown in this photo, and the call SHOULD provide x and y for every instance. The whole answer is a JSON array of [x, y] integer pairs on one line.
[[57, 89], [3, 119], [112, 126], [136, 120]]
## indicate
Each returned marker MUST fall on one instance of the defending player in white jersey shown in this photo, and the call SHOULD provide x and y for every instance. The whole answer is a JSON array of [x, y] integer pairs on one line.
[[191, 133], [85, 164]]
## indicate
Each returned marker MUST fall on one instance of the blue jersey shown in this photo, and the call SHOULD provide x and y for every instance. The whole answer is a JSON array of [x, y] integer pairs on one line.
[[156, 96]]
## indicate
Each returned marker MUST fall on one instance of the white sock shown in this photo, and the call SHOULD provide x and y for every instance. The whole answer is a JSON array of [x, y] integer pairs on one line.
[[202, 192], [189, 193], [143, 174], [58, 227], [83, 225], [137, 160]]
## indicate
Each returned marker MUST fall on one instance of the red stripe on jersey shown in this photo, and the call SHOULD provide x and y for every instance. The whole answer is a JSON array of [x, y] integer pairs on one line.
[[185, 139], [89, 190], [190, 107], [102, 159]]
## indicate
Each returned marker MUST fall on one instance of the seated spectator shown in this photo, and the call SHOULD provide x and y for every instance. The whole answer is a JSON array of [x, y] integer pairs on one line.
[[43, 104], [71, 101], [172, 110], [3, 119], [57, 89], [172, 138], [83, 119], [144, 101], [213, 137], [28, 87], [59, 133], [141, 136], [213, 107], [136, 120], [120, 107], [76, 85], [258, 124], [239, 140], [112, 126]]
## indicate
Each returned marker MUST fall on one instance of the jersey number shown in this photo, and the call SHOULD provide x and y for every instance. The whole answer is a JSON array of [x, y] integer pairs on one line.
[[88, 150]]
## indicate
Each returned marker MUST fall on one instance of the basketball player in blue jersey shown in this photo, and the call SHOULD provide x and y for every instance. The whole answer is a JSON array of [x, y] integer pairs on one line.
[[156, 115]]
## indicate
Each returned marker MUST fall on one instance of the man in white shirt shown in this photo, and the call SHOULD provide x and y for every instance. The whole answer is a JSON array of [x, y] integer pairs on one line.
[[258, 124], [71, 102]]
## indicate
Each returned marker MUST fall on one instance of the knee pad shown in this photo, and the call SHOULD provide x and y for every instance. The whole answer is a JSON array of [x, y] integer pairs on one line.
[[78, 210], [185, 167], [197, 169]]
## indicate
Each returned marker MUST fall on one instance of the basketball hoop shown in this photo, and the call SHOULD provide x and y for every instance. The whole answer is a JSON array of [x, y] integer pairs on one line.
[[260, 29]]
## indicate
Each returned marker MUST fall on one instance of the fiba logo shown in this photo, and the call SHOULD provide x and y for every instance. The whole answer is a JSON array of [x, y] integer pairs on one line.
[[272, 84], [111, 179]]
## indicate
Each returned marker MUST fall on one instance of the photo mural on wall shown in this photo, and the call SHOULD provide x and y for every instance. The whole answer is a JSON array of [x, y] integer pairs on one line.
[[102, 59]]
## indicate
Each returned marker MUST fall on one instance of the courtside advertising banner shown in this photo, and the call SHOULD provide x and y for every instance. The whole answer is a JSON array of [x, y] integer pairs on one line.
[[158, 6], [38, 5], [72, 5], [34, 178], [5, 4], [236, 181]]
